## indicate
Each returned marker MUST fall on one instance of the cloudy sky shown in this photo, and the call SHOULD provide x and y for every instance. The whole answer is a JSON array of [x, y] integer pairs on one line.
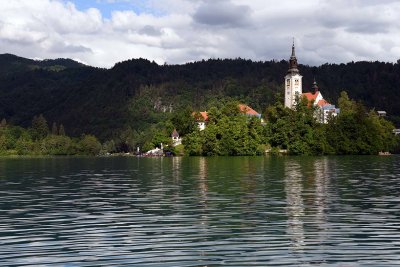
[[103, 32]]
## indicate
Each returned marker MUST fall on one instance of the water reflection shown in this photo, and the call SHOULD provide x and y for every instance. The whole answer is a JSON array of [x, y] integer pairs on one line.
[[295, 205], [284, 211], [322, 194], [307, 188], [176, 168]]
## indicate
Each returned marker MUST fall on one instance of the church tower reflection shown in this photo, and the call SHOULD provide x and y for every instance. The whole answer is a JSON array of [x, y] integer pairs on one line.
[[294, 203], [321, 195], [307, 188]]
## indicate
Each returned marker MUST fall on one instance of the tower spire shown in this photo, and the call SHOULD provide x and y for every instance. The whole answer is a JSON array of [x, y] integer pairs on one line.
[[315, 86], [293, 61], [293, 52]]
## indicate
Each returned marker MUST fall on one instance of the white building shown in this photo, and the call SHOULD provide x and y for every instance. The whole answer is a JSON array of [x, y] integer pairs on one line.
[[201, 119], [293, 81], [325, 109], [176, 139], [293, 91], [381, 113]]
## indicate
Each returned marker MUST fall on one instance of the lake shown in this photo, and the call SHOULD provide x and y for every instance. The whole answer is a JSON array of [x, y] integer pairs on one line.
[[222, 211]]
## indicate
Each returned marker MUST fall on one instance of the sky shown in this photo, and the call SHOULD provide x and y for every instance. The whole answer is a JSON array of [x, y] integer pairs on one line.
[[103, 32]]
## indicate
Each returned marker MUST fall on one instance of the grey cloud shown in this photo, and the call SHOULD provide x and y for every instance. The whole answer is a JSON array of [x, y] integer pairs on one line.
[[364, 25], [325, 31], [368, 28], [222, 13], [150, 31]]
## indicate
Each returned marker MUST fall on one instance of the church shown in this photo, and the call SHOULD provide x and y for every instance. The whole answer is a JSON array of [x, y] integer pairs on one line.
[[293, 91]]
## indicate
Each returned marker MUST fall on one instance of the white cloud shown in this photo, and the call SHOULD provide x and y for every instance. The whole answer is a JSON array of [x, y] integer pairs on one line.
[[179, 31]]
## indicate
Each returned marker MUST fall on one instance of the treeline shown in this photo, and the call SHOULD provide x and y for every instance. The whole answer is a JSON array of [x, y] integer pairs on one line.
[[135, 95], [354, 131], [40, 140]]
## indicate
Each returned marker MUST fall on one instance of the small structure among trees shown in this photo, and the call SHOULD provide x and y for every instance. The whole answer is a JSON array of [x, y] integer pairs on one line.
[[176, 140]]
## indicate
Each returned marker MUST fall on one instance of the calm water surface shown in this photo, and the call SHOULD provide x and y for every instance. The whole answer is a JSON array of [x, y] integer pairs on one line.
[[244, 211]]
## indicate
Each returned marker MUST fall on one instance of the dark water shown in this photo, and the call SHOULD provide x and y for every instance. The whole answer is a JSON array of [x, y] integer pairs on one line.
[[283, 211]]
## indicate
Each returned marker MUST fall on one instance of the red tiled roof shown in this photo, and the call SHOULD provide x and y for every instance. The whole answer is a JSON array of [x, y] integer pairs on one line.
[[322, 103], [203, 115], [247, 110], [310, 96], [243, 108]]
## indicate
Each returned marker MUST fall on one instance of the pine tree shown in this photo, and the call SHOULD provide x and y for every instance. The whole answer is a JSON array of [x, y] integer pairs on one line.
[[61, 131], [40, 129], [54, 130]]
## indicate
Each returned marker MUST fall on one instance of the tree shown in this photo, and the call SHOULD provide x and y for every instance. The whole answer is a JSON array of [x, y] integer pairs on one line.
[[89, 145], [356, 131], [57, 145], [40, 128], [345, 104], [54, 130], [183, 121], [61, 130], [193, 143]]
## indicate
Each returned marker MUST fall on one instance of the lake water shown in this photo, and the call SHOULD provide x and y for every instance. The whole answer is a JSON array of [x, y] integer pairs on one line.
[[240, 211]]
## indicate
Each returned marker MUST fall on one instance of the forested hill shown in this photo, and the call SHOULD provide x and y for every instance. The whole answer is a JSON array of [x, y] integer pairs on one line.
[[138, 93]]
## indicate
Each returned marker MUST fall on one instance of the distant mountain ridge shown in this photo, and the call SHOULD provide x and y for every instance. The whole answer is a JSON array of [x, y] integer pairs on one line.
[[10, 63], [136, 92]]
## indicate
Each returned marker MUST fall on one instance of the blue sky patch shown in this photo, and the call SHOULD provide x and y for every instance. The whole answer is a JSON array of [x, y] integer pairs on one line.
[[107, 6]]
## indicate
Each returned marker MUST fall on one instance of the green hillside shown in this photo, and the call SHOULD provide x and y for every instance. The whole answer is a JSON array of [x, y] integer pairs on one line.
[[138, 93]]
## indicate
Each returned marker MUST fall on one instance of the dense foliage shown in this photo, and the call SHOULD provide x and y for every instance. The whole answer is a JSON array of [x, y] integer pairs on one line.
[[228, 132], [38, 140], [353, 131], [128, 104]]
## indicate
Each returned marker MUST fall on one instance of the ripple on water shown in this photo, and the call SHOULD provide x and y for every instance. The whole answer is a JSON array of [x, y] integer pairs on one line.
[[327, 211]]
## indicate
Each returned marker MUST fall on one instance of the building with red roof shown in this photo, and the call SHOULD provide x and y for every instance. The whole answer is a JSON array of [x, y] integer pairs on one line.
[[202, 117], [248, 111], [293, 90], [325, 109]]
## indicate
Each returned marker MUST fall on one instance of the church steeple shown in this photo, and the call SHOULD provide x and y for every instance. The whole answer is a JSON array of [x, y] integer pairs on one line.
[[293, 62], [293, 83], [315, 86]]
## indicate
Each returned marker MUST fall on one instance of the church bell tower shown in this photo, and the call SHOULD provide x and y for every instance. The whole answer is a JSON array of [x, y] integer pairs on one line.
[[293, 83]]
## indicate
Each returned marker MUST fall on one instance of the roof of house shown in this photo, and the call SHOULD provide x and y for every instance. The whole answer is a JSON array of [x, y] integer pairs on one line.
[[322, 103], [311, 96], [243, 108], [248, 110], [203, 116], [175, 133]]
